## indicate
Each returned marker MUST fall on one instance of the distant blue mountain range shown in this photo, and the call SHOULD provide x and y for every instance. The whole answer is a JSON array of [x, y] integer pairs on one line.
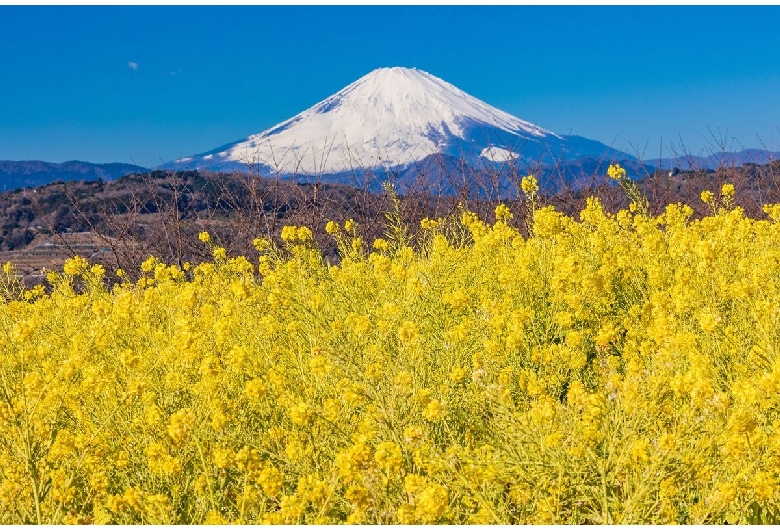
[[31, 173]]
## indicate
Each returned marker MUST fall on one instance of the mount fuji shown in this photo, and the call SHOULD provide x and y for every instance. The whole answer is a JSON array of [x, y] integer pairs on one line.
[[397, 120]]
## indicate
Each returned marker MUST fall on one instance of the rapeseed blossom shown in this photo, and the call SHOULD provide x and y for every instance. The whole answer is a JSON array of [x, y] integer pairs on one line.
[[616, 172], [530, 186], [606, 369]]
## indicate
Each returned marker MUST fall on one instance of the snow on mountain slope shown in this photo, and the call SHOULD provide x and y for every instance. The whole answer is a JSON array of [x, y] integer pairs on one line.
[[390, 117], [498, 154]]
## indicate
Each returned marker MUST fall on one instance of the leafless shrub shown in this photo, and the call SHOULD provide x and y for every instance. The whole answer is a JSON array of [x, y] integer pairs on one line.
[[161, 213]]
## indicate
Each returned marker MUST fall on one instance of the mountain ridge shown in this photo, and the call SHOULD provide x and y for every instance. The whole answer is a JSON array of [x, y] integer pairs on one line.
[[22, 173], [714, 160]]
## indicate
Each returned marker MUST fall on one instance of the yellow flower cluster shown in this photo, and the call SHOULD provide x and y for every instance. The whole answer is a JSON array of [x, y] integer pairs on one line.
[[616, 172], [609, 369], [529, 186]]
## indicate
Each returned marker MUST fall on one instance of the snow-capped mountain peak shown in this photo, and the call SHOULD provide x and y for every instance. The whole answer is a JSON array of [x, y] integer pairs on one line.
[[388, 118], [407, 101]]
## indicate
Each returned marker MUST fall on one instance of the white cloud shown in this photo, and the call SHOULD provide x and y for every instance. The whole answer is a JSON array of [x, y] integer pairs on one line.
[[133, 65]]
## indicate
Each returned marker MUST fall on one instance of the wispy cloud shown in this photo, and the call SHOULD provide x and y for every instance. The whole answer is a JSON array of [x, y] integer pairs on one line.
[[133, 65]]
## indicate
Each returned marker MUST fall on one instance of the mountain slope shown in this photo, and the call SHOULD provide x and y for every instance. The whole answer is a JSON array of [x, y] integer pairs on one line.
[[18, 174], [392, 118]]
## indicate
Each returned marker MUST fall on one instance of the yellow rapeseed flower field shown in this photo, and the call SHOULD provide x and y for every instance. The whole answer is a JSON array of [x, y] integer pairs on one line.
[[607, 369]]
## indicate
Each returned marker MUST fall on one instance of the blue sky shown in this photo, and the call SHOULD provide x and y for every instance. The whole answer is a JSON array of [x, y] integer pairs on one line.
[[145, 84]]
